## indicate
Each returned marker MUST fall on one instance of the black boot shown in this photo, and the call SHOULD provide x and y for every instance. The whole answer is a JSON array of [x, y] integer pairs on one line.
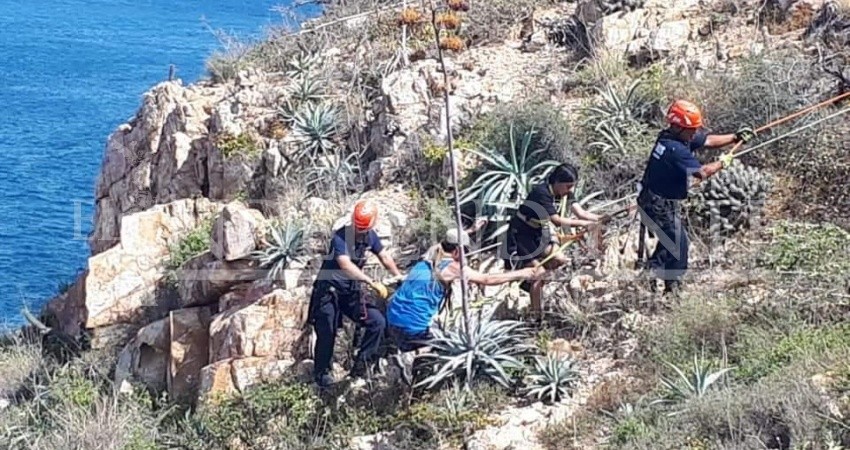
[[360, 369], [672, 287]]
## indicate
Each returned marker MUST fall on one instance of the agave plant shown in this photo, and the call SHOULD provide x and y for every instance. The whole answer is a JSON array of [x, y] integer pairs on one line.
[[552, 378], [285, 245], [507, 179], [486, 348], [334, 171], [302, 64], [305, 89], [694, 383], [315, 128], [624, 109]]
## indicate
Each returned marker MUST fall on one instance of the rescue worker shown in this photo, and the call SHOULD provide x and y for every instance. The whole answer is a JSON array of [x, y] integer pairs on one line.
[[427, 288], [528, 241], [665, 183], [337, 292]]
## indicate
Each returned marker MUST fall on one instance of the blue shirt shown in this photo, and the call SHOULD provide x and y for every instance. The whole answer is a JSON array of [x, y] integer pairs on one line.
[[418, 300], [346, 242], [671, 165]]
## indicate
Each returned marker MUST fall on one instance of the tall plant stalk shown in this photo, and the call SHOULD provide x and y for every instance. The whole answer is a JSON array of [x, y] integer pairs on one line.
[[464, 285]]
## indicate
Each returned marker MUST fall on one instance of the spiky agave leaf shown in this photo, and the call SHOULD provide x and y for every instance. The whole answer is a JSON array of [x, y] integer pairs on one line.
[[315, 128], [694, 383], [302, 64], [489, 348], [285, 246], [305, 89], [507, 179], [552, 377]]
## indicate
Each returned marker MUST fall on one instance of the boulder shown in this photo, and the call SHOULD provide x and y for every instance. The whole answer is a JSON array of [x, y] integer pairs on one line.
[[271, 327], [189, 352], [145, 358], [121, 284], [237, 232], [618, 30], [204, 279], [671, 36], [232, 376]]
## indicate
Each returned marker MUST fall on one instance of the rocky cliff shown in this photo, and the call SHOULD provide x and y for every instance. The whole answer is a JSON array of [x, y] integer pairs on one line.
[[220, 162]]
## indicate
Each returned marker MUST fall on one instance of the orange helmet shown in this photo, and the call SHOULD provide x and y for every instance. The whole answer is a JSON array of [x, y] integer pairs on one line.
[[365, 215], [684, 114]]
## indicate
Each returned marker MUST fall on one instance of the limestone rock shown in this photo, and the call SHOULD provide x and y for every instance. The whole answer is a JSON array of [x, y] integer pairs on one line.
[[231, 376], [204, 279], [271, 327], [189, 352], [145, 358], [618, 30], [236, 232], [671, 36], [121, 284]]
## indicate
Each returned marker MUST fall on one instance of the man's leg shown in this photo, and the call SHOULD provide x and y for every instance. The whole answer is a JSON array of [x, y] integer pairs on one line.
[[373, 325], [677, 264], [326, 320]]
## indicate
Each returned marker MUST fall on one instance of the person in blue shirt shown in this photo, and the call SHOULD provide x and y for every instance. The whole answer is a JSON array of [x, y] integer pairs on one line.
[[665, 183], [337, 292], [417, 301], [528, 240]]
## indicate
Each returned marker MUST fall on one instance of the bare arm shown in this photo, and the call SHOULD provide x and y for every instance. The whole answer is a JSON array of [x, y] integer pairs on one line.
[[584, 214], [719, 140], [452, 272], [708, 170], [388, 262], [564, 222]]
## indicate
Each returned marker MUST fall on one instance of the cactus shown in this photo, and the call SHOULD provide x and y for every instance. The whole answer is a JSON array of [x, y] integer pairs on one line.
[[729, 201]]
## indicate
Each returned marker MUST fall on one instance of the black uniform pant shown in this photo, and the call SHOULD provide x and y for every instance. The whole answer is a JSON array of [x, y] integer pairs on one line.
[[662, 218], [327, 306]]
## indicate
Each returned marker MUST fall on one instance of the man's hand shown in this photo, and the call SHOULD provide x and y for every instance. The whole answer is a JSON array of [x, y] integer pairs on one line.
[[380, 289], [727, 159], [745, 134], [394, 279]]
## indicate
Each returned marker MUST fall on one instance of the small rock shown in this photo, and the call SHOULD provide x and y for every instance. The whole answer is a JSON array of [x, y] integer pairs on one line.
[[4, 403], [397, 219]]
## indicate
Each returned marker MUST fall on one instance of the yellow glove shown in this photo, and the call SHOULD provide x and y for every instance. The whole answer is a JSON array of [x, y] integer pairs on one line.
[[380, 289], [727, 159]]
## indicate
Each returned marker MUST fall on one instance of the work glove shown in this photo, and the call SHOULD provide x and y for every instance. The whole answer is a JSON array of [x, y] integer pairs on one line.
[[727, 159], [564, 238], [745, 134], [379, 289]]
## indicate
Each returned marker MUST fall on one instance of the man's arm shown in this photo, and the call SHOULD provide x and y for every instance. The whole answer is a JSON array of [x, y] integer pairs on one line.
[[494, 279], [584, 214], [351, 270], [388, 262], [720, 140], [564, 222], [708, 170]]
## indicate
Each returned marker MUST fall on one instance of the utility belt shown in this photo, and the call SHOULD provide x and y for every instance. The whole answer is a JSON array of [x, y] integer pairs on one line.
[[323, 291], [533, 223]]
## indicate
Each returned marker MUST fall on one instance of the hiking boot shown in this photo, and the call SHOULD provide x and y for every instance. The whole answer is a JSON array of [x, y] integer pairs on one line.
[[404, 361], [359, 369], [324, 381], [672, 288]]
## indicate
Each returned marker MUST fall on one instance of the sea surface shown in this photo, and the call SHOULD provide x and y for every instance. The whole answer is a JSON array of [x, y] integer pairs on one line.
[[70, 72]]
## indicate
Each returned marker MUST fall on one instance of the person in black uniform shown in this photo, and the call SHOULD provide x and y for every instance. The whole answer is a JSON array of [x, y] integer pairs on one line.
[[528, 239], [671, 166], [336, 292]]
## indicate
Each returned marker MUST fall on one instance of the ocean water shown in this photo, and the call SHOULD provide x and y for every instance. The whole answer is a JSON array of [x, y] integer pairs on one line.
[[70, 72]]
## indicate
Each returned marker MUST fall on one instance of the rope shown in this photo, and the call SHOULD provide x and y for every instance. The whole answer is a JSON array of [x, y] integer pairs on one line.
[[791, 133], [791, 117]]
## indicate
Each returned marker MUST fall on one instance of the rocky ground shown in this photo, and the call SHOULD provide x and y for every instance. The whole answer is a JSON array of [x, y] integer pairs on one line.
[[177, 297]]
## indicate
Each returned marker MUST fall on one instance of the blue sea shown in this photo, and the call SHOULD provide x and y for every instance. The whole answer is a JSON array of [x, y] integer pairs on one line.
[[70, 72]]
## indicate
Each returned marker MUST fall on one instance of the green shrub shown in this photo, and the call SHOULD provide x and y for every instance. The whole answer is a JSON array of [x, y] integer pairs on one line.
[[817, 250], [19, 361], [760, 352], [285, 410], [243, 144], [552, 131], [193, 244]]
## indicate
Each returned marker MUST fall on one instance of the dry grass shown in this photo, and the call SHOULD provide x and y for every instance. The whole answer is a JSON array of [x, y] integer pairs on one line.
[[19, 360]]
